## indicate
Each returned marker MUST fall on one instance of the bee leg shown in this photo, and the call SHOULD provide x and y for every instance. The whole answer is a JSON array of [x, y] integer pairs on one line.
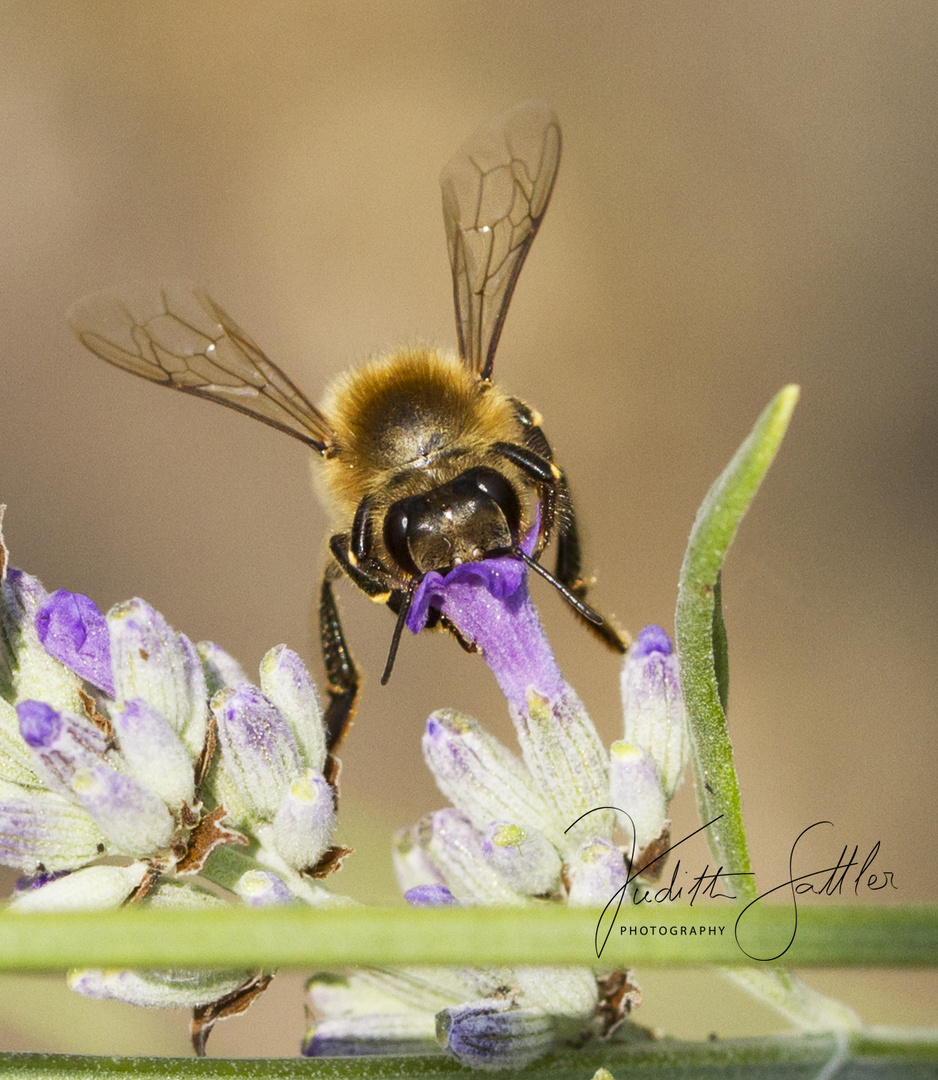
[[343, 679], [557, 512], [568, 571], [368, 574]]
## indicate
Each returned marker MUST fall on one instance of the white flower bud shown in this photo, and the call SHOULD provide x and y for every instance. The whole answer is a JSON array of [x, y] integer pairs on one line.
[[653, 705], [257, 758], [635, 787], [568, 762], [305, 821], [596, 872], [42, 830], [220, 668], [454, 854], [130, 815], [494, 1033], [482, 777], [523, 858], [285, 680], [92, 889], [153, 753], [151, 661], [176, 989], [262, 888]]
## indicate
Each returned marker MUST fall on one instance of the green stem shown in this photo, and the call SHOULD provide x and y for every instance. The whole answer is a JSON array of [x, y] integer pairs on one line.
[[876, 1054], [302, 937]]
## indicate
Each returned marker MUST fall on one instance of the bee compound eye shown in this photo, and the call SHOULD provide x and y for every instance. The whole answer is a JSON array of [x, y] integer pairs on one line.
[[502, 492], [396, 528]]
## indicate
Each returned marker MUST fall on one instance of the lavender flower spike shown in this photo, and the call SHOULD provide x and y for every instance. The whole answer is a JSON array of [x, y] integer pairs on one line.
[[73, 630]]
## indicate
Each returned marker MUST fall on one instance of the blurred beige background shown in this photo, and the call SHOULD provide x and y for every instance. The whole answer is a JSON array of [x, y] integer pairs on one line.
[[748, 197]]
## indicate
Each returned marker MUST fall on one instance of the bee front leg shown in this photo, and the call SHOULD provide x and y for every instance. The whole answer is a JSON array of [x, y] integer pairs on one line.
[[343, 678]]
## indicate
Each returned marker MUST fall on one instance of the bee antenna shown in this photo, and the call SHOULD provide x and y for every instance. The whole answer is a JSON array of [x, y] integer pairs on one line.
[[399, 629], [572, 599]]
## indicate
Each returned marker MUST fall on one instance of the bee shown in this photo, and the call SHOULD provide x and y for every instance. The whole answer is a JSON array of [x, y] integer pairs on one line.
[[424, 461]]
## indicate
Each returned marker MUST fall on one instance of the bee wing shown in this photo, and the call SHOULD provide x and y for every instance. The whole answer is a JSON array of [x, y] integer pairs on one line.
[[495, 192], [176, 335]]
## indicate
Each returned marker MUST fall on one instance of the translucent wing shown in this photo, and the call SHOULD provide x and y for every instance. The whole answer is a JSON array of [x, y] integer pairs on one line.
[[495, 192], [176, 335]]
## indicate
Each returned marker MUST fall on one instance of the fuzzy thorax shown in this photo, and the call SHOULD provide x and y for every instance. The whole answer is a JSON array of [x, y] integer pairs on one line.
[[406, 422]]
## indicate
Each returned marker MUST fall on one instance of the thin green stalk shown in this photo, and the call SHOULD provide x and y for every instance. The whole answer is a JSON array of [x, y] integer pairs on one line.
[[306, 938], [876, 1055]]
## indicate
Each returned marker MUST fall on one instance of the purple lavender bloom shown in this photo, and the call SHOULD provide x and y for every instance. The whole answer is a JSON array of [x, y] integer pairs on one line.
[[430, 896], [653, 639], [73, 630], [489, 602]]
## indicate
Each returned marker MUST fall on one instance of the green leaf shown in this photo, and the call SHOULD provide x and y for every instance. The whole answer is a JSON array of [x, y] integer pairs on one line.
[[701, 642], [721, 655]]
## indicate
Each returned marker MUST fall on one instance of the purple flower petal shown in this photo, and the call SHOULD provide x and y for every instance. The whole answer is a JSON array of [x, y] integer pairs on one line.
[[430, 896], [40, 724], [490, 604], [652, 639], [73, 630]]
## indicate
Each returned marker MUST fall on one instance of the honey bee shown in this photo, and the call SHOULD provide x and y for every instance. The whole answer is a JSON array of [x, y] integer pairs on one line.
[[424, 461]]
